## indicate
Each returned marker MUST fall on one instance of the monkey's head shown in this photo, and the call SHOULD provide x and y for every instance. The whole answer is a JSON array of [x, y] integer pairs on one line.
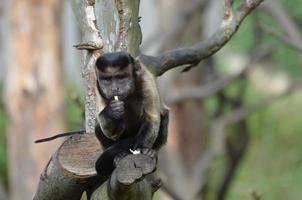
[[116, 74]]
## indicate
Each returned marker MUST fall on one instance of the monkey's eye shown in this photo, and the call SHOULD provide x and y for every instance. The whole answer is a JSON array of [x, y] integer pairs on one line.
[[120, 78], [123, 80], [105, 80]]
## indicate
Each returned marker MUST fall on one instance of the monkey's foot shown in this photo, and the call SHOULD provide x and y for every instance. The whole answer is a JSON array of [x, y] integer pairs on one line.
[[149, 152], [132, 168], [118, 157]]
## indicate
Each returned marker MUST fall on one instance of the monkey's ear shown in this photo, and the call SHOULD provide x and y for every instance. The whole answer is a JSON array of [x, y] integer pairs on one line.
[[100, 63], [137, 68]]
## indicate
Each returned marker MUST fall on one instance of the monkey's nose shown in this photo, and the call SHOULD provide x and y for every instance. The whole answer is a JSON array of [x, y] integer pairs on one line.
[[116, 90]]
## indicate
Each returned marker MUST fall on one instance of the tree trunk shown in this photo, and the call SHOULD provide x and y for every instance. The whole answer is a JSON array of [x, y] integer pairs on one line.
[[186, 118], [34, 85]]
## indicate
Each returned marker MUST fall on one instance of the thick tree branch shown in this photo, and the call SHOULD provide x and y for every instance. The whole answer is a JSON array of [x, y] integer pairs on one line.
[[71, 170], [236, 143], [130, 180], [196, 53]]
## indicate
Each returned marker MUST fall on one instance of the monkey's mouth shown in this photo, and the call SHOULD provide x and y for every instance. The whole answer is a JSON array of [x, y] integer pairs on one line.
[[120, 97]]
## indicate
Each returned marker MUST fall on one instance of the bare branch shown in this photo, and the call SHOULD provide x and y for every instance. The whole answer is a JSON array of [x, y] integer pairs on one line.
[[196, 53], [241, 113], [178, 29], [200, 92], [170, 192], [284, 19], [283, 38], [292, 36], [203, 165]]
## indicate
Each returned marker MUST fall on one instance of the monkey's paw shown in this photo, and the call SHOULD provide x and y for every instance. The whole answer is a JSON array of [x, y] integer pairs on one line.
[[149, 152], [119, 157]]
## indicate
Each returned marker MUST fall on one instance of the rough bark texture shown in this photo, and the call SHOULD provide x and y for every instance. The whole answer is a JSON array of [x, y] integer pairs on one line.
[[201, 50], [34, 85], [127, 181], [70, 171], [92, 42], [118, 22]]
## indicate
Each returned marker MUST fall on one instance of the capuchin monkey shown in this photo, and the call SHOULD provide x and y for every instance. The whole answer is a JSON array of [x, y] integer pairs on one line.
[[132, 118]]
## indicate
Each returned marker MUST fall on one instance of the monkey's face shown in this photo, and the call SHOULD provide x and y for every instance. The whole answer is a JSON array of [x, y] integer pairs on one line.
[[115, 74], [116, 82]]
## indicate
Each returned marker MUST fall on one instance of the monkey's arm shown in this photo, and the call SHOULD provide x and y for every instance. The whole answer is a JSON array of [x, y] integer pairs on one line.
[[142, 141], [147, 133]]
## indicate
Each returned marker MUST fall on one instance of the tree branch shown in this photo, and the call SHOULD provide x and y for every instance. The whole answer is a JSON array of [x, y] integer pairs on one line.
[[292, 36], [282, 16], [243, 112], [71, 170], [283, 38], [130, 180], [211, 88], [196, 53]]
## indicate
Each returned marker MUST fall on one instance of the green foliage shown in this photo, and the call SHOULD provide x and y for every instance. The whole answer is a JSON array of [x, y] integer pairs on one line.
[[273, 165], [3, 151], [292, 7], [246, 39]]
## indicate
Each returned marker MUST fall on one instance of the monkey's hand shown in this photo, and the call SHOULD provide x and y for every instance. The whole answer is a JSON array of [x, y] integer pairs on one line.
[[115, 109], [110, 120]]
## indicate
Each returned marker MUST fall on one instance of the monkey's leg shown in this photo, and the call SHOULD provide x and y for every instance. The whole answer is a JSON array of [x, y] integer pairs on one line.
[[105, 163], [145, 139], [163, 130], [142, 141], [105, 142]]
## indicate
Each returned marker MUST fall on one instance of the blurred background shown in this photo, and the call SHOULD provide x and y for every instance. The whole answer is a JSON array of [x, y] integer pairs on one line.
[[235, 119]]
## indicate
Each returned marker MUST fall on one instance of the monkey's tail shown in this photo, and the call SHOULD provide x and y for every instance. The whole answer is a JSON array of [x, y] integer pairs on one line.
[[61, 135], [105, 163]]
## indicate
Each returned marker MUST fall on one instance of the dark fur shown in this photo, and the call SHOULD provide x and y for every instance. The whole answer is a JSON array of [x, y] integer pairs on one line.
[[105, 163], [131, 122]]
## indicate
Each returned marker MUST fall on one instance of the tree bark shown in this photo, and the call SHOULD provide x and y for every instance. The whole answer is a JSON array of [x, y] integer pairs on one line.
[[70, 171], [34, 85]]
